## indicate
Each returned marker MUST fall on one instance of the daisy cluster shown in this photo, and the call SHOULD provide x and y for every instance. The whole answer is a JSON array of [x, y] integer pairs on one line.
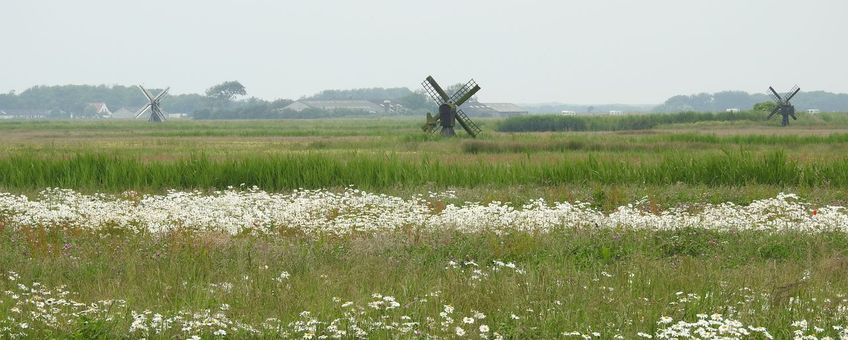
[[323, 212], [35, 310]]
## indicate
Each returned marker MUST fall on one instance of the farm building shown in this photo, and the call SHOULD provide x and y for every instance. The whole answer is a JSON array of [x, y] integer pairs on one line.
[[492, 109], [732, 110], [813, 111], [332, 105]]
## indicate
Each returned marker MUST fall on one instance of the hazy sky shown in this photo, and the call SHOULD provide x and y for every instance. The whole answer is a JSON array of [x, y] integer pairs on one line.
[[592, 51]]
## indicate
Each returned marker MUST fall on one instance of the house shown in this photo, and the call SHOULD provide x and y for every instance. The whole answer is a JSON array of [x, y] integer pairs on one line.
[[335, 105], [732, 110], [616, 112], [98, 109], [568, 113], [813, 111]]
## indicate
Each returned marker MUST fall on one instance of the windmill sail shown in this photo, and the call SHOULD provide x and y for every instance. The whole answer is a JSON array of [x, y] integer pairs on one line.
[[465, 93], [467, 123], [437, 94], [792, 93], [775, 95]]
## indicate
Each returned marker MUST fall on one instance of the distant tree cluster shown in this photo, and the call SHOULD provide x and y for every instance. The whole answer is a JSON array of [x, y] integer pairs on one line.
[[720, 101], [65, 100]]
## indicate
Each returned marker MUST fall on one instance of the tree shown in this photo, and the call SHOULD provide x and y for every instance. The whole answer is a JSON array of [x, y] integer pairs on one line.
[[226, 91], [765, 106]]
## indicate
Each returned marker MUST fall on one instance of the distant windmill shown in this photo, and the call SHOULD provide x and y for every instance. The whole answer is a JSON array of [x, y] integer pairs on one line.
[[784, 107], [449, 110], [156, 115]]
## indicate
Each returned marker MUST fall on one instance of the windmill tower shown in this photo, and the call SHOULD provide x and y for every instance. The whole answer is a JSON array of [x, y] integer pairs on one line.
[[449, 111], [156, 115], [784, 107]]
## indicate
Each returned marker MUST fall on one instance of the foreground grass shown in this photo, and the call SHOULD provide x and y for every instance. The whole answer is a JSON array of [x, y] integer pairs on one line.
[[615, 282]]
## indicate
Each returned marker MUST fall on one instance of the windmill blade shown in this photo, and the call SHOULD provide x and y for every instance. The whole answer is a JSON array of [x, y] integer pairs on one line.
[[143, 110], [467, 123], [793, 93], [438, 89], [465, 92], [157, 111], [162, 94], [775, 111], [776, 96], [146, 94]]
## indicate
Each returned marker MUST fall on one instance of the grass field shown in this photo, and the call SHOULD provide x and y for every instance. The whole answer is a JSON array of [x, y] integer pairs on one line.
[[678, 230]]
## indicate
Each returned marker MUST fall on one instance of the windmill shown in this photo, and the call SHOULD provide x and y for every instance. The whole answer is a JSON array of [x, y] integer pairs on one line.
[[156, 115], [784, 107], [449, 111]]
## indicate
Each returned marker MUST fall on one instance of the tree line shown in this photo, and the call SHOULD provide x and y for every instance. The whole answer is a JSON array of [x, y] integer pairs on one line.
[[229, 100], [721, 101]]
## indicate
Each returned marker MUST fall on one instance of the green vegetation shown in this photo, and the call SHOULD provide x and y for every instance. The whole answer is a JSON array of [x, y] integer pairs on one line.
[[310, 170], [610, 281], [605, 279], [618, 123]]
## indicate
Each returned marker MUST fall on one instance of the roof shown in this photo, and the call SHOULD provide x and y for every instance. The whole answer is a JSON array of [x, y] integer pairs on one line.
[[506, 107], [491, 109], [360, 105], [100, 108]]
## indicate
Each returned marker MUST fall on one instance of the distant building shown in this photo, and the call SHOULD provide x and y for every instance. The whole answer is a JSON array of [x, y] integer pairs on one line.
[[23, 114], [813, 111], [98, 109], [178, 116], [473, 108], [123, 113], [616, 112], [388, 106], [568, 113], [333, 105], [732, 110]]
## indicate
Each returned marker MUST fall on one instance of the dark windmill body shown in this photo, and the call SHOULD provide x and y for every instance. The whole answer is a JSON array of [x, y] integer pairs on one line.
[[449, 108], [784, 107], [156, 115]]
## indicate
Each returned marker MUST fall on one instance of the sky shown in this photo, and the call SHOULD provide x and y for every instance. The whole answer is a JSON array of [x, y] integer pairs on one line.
[[569, 51]]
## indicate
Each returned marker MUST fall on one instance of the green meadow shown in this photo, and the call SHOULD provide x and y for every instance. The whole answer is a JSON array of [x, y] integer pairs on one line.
[[613, 281]]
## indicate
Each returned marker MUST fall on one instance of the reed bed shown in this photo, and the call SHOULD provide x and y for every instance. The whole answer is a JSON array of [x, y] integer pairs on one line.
[[87, 171]]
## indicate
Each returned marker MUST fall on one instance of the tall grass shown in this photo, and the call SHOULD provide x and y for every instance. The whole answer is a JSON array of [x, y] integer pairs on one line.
[[617, 123], [96, 171]]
